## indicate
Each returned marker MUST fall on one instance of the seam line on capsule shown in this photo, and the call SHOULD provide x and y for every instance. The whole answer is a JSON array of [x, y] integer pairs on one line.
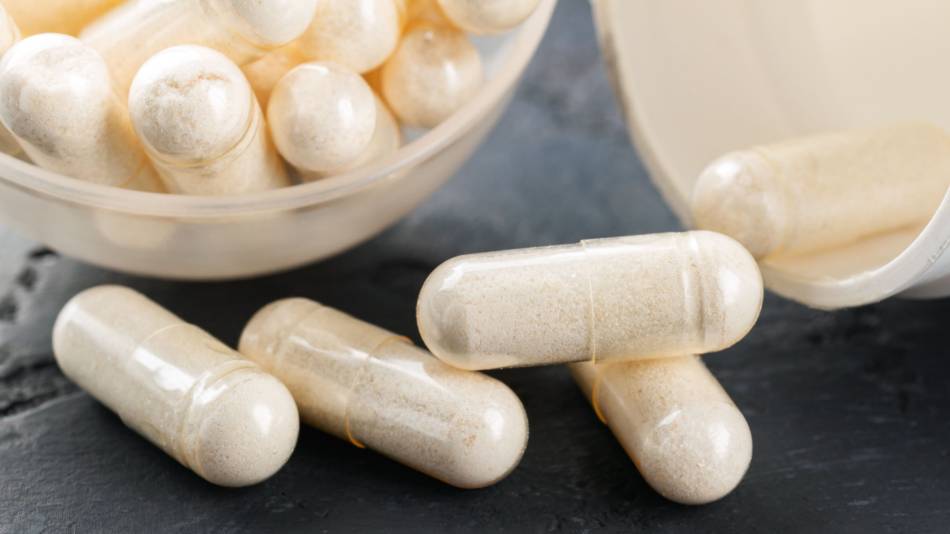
[[592, 341], [370, 354], [694, 295], [775, 177], [188, 449]]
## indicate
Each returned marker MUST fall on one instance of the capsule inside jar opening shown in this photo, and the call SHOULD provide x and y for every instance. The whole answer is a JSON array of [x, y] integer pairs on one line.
[[375, 389], [607, 299]]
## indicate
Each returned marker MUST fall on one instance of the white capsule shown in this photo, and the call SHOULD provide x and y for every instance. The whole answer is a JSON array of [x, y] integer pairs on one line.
[[202, 126], [56, 16], [680, 428], [215, 412], [434, 72], [824, 191], [57, 99], [386, 141], [322, 116], [621, 298], [487, 16], [357, 34], [9, 35], [244, 30], [375, 389]]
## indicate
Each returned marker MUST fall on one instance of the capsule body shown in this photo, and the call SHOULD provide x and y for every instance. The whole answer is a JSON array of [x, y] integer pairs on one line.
[[606, 299], [244, 30], [215, 412], [56, 16], [375, 389], [434, 71], [680, 428], [487, 16], [322, 116], [357, 34], [201, 125], [57, 99], [9, 35], [827, 190]]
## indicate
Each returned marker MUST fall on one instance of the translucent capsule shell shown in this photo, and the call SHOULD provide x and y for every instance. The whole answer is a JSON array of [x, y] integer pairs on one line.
[[56, 16], [815, 193], [375, 389], [215, 412], [680, 428], [487, 16], [357, 34], [58, 100], [605, 299], [434, 71], [201, 125], [244, 30], [9, 35]]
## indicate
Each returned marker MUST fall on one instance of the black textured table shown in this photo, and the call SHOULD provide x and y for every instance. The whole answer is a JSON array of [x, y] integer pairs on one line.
[[850, 411]]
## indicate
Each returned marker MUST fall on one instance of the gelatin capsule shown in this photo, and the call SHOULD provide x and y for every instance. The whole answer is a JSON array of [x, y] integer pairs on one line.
[[9, 35], [244, 30], [357, 34], [823, 191], [487, 16], [213, 411], [605, 299], [56, 16], [376, 389], [201, 125], [680, 428], [322, 117], [57, 99], [434, 72]]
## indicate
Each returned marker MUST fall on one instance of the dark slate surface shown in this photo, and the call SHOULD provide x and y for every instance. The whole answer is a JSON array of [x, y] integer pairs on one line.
[[850, 411]]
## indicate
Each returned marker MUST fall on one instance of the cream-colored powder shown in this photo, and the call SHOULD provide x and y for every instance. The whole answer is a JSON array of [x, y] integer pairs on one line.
[[244, 30], [201, 125], [57, 99], [357, 34], [827, 190], [56, 16], [680, 428], [386, 141], [434, 72], [487, 16], [375, 389], [215, 412], [608, 299], [322, 117]]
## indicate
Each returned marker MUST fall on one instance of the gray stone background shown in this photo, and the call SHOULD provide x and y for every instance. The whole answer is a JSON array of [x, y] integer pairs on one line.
[[850, 411]]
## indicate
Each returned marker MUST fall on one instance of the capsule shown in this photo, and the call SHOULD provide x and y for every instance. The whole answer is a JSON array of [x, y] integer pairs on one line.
[[215, 412], [434, 72], [9, 35], [201, 125], [605, 299], [357, 34], [680, 428], [487, 16], [56, 16], [386, 141], [57, 99], [322, 116], [375, 389], [244, 30], [828, 190]]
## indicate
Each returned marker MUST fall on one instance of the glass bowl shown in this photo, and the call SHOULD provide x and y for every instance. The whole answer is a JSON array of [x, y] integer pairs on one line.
[[196, 238]]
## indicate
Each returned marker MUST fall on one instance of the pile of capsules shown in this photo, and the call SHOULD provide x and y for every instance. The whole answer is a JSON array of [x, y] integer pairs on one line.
[[170, 96], [629, 314]]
